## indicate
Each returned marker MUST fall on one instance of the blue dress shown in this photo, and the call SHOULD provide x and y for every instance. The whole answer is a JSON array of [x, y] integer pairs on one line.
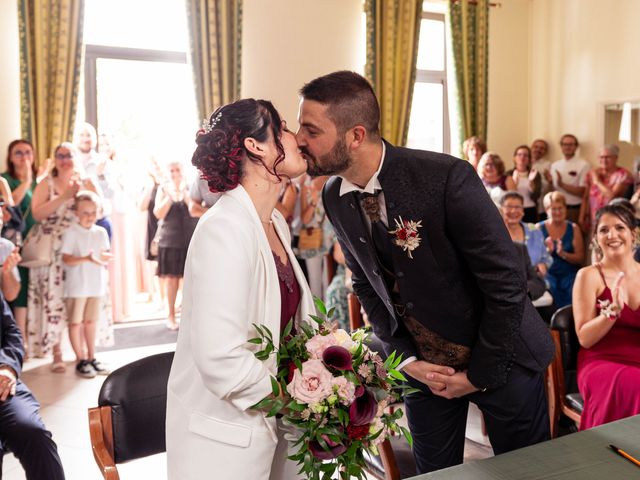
[[561, 274]]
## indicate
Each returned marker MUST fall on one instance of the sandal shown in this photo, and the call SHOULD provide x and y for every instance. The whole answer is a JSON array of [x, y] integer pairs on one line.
[[58, 367]]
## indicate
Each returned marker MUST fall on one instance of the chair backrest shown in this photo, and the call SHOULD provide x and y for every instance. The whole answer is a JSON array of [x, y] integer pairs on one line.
[[137, 395], [562, 322]]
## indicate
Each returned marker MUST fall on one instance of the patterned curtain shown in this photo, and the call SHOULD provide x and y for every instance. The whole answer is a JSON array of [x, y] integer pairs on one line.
[[469, 22], [50, 52], [215, 29], [392, 50]]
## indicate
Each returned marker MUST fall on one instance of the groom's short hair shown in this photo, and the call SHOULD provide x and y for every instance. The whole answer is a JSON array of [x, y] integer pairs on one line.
[[349, 98]]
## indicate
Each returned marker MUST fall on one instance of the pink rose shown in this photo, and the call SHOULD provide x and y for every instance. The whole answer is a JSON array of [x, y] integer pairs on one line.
[[345, 390], [319, 343], [311, 385]]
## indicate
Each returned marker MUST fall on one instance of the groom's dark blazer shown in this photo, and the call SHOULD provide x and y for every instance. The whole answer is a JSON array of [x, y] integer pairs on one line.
[[465, 281]]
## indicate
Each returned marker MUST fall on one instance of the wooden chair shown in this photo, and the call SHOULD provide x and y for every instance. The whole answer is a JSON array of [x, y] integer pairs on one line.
[[129, 422], [395, 461], [562, 390]]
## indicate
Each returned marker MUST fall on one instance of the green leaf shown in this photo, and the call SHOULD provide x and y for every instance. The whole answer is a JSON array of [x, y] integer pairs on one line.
[[256, 341], [389, 360], [397, 375], [275, 387], [287, 329], [331, 311], [317, 319], [407, 435], [320, 305]]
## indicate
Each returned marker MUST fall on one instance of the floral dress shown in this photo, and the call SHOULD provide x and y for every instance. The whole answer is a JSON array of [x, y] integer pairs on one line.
[[46, 312]]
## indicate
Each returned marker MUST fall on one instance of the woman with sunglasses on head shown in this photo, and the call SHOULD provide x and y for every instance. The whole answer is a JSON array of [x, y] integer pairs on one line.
[[51, 206]]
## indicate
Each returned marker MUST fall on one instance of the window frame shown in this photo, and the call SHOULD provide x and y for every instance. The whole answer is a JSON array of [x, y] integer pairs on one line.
[[94, 52], [439, 77]]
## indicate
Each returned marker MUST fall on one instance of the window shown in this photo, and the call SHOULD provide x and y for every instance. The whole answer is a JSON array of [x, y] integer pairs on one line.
[[138, 86], [429, 122]]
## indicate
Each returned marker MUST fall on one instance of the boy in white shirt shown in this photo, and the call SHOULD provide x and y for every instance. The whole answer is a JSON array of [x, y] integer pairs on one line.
[[85, 253]]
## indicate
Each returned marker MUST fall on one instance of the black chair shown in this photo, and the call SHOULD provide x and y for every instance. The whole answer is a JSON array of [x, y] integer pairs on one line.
[[395, 460], [562, 386], [129, 422]]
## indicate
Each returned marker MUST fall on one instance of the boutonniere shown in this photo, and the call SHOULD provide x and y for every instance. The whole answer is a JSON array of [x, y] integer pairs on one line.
[[406, 234]]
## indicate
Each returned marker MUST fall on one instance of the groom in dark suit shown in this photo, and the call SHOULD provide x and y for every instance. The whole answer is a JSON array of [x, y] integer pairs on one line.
[[436, 272]]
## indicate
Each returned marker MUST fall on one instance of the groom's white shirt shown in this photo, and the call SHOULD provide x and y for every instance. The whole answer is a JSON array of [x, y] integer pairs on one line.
[[230, 283]]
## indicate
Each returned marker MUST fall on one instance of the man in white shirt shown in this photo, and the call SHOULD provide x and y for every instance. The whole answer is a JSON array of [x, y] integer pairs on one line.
[[569, 175], [542, 165]]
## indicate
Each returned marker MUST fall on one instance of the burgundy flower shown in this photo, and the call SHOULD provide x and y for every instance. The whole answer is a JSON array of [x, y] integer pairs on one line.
[[357, 432], [363, 409], [335, 449], [402, 234], [338, 358], [292, 369]]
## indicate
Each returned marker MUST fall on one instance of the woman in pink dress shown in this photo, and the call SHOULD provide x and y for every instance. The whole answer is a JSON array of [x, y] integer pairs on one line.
[[606, 308]]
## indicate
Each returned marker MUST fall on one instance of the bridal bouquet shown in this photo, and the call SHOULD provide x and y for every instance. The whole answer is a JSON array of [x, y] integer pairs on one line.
[[333, 390]]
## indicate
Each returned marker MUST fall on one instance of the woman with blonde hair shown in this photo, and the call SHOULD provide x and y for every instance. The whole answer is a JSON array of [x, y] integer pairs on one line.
[[51, 206], [564, 242], [473, 148]]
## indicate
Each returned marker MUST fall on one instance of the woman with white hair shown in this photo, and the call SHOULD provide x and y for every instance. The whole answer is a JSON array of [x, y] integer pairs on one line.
[[604, 183]]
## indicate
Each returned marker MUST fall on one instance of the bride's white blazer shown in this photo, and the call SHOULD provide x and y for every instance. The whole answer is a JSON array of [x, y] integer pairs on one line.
[[230, 282]]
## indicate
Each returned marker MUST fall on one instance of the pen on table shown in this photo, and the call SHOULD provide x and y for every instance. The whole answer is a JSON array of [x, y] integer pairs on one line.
[[624, 454]]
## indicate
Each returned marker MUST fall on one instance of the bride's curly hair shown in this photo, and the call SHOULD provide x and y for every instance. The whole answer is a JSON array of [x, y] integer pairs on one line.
[[220, 153]]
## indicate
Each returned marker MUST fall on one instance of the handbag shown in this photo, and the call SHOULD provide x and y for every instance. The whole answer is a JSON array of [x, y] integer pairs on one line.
[[37, 250], [14, 227], [154, 245], [310, 238]]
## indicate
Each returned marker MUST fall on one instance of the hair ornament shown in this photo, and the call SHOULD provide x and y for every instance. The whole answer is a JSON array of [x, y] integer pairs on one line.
[[209, 126]]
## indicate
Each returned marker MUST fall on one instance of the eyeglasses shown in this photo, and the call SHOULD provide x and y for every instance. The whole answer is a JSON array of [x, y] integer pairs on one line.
[[568, 145], [513, 207], [63, 156], [21, 153]]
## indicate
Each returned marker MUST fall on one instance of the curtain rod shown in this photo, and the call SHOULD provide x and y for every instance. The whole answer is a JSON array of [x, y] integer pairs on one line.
[[474, 2]]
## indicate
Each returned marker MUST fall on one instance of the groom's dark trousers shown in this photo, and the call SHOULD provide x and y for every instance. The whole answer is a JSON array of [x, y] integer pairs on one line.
[[459, 300], [438, 425]]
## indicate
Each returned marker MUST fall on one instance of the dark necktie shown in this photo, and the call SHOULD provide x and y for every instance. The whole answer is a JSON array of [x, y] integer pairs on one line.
[[379, 233]]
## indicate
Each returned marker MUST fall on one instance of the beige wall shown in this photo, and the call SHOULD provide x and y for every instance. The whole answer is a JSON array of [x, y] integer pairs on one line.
[[584, 53], [509, 108], [286, 43], [9, 77]]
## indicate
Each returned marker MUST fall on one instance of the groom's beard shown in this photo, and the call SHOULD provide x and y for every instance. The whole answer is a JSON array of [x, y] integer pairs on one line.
[[336, 161]]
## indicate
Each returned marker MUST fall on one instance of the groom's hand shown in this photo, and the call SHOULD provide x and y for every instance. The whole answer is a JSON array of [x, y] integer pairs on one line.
[[424, 372], [456, 385]]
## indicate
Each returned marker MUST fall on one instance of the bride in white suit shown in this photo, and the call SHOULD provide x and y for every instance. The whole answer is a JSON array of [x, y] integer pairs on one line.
[[240, 270]]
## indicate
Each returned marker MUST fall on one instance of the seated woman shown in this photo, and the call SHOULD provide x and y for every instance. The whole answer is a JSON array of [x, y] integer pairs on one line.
[[512, 208], [606, 310], [563, 240], [491, 171], [528, 238], [527, 182]]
